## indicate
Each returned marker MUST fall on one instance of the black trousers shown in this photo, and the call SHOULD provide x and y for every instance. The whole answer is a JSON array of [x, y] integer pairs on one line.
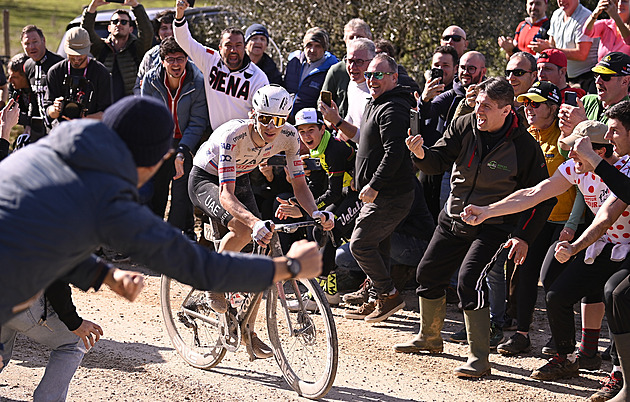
[[617, 297], [578, 280], [473, 249], [180, 213]]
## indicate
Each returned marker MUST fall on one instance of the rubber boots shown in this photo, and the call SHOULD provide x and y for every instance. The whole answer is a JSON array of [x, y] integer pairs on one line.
[[478, 329], [622, 342], [432, 314]]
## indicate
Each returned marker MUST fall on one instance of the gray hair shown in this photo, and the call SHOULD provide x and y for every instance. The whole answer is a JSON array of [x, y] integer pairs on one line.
[[393, 66], [359, 25], [363, 44]]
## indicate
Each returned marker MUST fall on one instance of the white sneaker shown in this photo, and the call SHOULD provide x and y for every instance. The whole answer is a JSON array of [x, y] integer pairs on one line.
[[309, 305]]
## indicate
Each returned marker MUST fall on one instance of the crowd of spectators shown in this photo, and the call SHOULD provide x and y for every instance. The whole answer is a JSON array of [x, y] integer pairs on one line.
[[400, 199]]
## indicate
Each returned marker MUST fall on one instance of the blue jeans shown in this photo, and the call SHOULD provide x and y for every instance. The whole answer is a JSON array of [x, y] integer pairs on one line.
[[65, 357], [497, 290]]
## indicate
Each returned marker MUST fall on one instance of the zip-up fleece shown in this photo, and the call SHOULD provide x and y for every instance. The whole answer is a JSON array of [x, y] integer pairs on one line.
[[190, 106], [382, 160], [514, 163]]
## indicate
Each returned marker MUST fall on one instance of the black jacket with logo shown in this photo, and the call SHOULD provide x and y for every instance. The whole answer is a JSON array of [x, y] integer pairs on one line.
[[515, 162]]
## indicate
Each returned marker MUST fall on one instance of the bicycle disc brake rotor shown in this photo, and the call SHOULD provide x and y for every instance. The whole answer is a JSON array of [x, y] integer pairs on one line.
[[230, 331], [306, 328]]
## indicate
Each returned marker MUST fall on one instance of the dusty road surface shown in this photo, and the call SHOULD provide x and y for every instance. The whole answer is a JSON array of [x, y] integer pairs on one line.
[[136, 362]]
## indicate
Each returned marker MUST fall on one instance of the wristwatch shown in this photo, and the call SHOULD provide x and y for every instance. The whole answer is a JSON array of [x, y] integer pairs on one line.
[[294, 267]]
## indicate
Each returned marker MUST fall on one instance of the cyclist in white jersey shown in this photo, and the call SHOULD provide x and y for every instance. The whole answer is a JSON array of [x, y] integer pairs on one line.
[[219, 184]]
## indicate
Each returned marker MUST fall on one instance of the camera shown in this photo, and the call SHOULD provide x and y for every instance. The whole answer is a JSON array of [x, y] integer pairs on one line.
[[78, 94]]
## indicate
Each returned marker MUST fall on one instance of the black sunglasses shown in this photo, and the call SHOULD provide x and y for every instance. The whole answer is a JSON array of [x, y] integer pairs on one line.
[[454, 38], [116, 21], [606, 77], [517, 72]]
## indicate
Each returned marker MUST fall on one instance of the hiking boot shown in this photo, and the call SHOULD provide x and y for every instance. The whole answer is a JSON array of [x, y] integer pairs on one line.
[[590, 363], [478, 330], [622, 343], [496, 335], [386, 306], [218, 302], [459, 336], [550, 348], [432, 314], [360, 296], [260, 348], [518, 343], [556, 368], [610, 386], [360, 313]]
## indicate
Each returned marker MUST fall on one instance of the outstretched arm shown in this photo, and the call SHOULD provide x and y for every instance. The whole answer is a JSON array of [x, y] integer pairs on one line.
[[607, 215], [518, 201]]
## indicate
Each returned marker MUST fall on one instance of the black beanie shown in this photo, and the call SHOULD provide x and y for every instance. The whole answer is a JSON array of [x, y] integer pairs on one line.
[[145, 125]]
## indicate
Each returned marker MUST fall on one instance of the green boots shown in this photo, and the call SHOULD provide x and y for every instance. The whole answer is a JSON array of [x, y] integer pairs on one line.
[[432, 313], [622, 342], [478, 329]]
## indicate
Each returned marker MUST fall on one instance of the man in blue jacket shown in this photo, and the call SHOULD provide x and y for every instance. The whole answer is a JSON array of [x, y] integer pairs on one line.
[[76, 189], [180, 86], [306, 70]]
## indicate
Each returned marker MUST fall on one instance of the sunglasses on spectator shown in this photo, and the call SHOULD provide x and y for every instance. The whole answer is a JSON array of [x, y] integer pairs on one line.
[[377, 75], [266, 118], [468, 69], [116, 21], [178, 60], [517, 72], [529, 102], [454, 38], [606, 77], [356, 62]]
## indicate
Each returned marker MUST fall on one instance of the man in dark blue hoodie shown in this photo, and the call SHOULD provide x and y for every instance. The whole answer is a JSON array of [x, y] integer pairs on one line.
[[76, 189]]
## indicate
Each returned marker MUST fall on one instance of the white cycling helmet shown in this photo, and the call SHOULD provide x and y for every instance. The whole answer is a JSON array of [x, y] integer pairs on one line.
[[274, 100]]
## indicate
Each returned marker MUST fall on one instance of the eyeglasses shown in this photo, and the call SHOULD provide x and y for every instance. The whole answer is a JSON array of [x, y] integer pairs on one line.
[[606, 77], [454, 38], [356, 62], [529, 102], [377, 75], [468, 69], [178, 60], [517, 72], [116, 21], [265, 119]]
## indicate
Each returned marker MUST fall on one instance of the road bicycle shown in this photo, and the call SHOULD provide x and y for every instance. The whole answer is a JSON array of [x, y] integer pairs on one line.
[[304, 343]]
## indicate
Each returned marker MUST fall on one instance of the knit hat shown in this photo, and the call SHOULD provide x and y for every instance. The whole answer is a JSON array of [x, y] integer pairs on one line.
[[592, 129], [553, 56], [318, 35], [616, 63], [542, 91], [256, 29], [145, 125]]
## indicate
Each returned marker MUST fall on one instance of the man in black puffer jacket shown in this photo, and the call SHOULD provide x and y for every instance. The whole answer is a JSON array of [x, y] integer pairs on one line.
[[384, 176]]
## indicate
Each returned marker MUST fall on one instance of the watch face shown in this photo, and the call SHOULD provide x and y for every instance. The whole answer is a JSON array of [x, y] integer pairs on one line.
[[294, 267]]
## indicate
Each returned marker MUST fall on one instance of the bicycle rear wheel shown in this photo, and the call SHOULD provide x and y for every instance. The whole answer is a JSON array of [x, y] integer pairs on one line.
[[194, 328], [304, 343]]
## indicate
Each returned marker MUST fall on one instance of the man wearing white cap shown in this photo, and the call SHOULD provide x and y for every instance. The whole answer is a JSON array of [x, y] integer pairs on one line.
[[78, 86]]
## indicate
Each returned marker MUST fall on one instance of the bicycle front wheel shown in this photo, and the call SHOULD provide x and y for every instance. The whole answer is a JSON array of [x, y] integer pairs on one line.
[[304, 342], [194, 328]]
